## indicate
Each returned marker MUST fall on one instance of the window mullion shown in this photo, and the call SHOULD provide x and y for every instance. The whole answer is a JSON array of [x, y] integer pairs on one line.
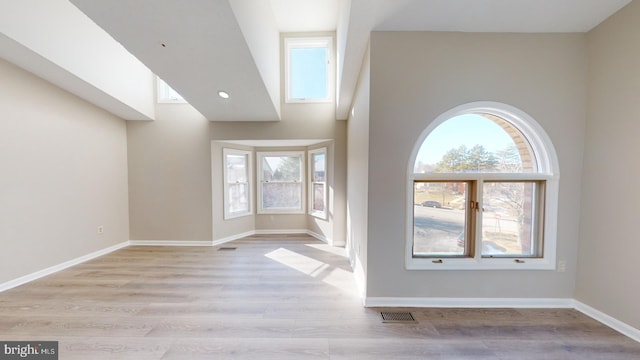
[[476, 219]]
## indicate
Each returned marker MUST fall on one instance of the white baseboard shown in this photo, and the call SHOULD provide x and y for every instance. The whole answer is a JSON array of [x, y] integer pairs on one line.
[[611, 322], [168, 243], [281, 231], [607, 320], [294, 231], [272, 232], [468, 302], [320, 237], [232, 237], [541, 303], [53, 269]]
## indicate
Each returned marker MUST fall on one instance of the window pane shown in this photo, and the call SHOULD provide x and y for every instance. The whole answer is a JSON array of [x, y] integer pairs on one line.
[[281, 196], [236, 168], [308, 73], [238, 198], [319, 172], [318, 197], [167, 94], [508, 219], [473, 143], [281, 168], [439, 219]]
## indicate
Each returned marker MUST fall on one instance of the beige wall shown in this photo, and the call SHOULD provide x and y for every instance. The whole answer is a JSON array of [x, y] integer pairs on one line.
[[70, 49], [608, 265], [357, 176], [175, 166], [64, 172], [416, 76], [175, 172], [170, 175], [299, 121], [68, 166], [222, 228]]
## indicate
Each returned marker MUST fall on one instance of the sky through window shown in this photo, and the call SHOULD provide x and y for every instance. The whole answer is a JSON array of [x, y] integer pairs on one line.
[[468, 130]]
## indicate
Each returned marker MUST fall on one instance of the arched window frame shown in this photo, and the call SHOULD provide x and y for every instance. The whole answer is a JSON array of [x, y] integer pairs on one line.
[[548, 171]]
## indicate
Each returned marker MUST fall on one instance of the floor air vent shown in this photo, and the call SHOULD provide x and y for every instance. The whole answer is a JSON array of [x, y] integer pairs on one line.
[[397, 317], [227, 249]]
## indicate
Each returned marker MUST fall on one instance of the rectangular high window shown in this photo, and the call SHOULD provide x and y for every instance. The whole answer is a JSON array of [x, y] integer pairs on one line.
[[307, 68], [166, 94], [237, 186], [318, 182], [281, 179]]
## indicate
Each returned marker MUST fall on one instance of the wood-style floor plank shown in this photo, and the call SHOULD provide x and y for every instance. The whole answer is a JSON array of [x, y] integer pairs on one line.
[[274, 297]]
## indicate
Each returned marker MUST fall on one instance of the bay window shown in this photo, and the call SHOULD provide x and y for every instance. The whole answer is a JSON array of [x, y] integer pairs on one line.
[[281, 180], [237, 186], [318, 182]]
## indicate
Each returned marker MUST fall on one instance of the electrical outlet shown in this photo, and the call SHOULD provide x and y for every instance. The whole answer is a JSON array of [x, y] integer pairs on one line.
[[100, 229], [562, 266]]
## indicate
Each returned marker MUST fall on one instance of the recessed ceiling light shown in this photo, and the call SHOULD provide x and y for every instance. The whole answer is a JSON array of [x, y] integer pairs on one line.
[[223, 94]]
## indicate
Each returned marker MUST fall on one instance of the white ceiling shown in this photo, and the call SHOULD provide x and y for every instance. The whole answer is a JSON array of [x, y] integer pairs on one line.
[[233, 45], [305, 15], [196, 46], [493, 15]]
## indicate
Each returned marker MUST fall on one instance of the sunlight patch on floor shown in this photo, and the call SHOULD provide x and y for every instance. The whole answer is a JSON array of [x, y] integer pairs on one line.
[[333, 276], [329, 249]]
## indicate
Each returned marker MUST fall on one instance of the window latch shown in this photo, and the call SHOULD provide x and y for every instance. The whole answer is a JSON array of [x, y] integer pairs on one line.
[[439, 261], [518, 261]]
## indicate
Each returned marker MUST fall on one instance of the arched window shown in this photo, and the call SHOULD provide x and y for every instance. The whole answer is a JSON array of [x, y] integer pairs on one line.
[[483, 188]]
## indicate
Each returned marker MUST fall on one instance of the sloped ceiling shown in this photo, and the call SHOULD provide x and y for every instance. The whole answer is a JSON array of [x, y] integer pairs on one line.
[[197, 47], [57, 42], [525, 16], [203, 46]]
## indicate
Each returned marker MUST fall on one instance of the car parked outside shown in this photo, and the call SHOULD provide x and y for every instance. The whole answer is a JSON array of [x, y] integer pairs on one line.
[[430, 203]]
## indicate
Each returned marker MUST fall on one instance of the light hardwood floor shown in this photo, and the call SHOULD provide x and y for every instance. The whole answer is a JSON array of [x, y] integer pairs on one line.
[[274, 297]]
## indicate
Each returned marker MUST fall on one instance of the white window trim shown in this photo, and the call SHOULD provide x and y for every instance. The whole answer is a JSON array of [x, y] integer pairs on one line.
[[307, 42], [548, 170], [260, 181], [312, 211], [166, 94], [228, 214]]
